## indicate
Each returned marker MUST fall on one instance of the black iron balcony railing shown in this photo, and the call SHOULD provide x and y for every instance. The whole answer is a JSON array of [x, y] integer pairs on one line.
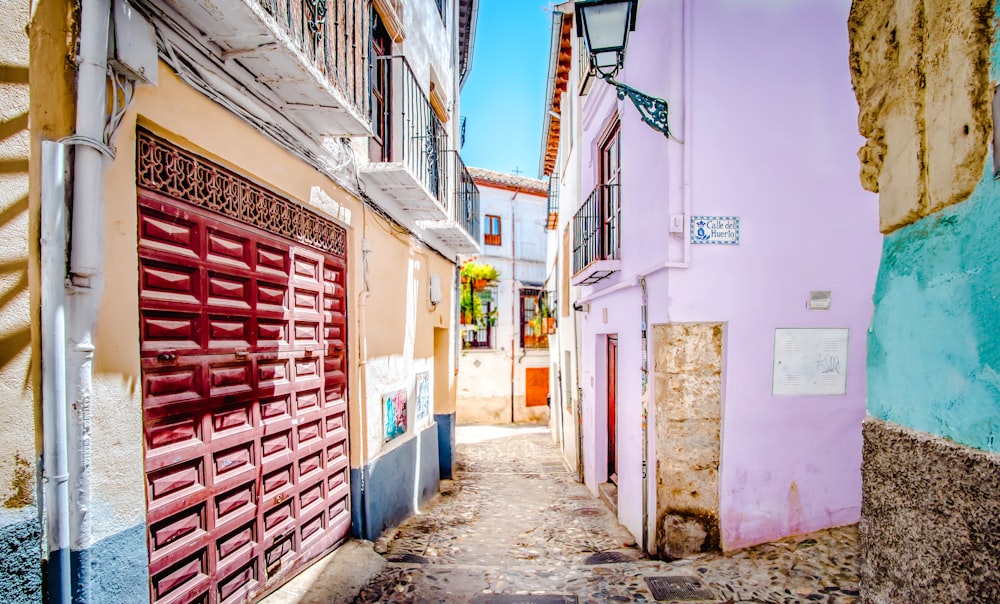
[[334, 35], [596, 233], [553, 220], [416, 135], [466, 209]]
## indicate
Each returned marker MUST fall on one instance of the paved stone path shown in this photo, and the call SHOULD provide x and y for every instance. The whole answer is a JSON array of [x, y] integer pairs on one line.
[[516, 527]]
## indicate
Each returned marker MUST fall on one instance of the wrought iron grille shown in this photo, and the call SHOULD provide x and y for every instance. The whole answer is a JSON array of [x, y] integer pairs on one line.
[[534, 326], [334, 35], [418, 138], [466, 208], [172, 171], [553, 219], [596, 233]]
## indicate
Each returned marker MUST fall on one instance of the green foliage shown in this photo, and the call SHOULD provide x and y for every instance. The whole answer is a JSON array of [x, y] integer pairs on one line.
[[480, 271]]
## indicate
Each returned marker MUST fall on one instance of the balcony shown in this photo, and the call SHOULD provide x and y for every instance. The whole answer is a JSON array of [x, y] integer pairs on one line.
[[460, 231], [309, 54], [597, 236], [410, 175]]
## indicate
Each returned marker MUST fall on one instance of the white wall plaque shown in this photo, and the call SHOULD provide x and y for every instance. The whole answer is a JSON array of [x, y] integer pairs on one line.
[[720, 230], [810, 362]]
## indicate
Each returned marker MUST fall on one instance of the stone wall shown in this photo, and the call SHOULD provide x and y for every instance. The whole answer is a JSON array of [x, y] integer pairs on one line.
[[921, 77], [687, 375], [930, 519]]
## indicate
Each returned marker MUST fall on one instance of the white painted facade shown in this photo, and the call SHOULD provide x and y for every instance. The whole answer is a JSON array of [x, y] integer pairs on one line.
[[491, 383]]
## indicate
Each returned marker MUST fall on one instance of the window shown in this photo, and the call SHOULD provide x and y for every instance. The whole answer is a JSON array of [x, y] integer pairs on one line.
[[480, 335], [442, 7], [536, 321], [379, 144], [607, 176], [491, 230], [597, 223]]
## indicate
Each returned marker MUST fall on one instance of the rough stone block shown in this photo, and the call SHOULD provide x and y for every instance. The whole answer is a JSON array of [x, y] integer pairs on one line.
[[688, 490], [930, 518], [920, 70], [687, 347], [682, 536], [693, 444], [689, 396]]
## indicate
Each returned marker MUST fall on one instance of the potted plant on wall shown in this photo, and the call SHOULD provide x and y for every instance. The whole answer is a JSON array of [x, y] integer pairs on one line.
[[479, 275], [546, 317], [471, 307]]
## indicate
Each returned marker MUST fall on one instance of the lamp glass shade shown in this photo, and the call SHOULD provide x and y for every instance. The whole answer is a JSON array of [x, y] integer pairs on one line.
[[606, 61], [606, 25]]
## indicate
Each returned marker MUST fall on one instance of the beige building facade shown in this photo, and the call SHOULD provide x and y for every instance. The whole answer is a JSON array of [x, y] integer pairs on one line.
[[250, 356]]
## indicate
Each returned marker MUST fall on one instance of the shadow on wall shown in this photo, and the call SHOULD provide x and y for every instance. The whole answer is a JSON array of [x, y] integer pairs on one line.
[[14, 270]]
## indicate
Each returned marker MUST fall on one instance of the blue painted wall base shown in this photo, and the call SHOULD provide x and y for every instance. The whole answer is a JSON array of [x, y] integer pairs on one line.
[[387, 491], [20, 571], [115, 569], [446, 444]]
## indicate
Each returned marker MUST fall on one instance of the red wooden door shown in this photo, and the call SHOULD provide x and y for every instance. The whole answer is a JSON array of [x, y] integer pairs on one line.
[[612, 409], [243, 345], [536, 386]]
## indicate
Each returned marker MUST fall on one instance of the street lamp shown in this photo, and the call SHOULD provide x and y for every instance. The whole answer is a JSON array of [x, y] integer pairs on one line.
[[604, 26]]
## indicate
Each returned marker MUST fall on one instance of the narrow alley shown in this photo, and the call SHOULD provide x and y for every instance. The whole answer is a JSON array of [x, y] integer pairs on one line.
[[516, 526]]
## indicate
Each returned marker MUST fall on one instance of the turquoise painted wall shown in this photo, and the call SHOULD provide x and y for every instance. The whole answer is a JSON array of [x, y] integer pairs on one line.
[[934, 343]]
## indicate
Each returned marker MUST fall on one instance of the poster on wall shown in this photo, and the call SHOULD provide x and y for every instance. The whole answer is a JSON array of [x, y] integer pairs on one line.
[[423, 391], [810, 362], [394, 412]]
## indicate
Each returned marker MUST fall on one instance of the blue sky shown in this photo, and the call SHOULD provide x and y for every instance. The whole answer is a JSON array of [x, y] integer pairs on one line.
[[503, 97]]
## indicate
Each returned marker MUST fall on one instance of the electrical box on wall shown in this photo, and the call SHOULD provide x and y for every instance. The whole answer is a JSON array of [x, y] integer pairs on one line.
[[133, 44], [435, 289], [677, 224]]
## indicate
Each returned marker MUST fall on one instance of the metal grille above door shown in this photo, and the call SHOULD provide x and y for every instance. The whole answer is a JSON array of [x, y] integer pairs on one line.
[[243, 345]]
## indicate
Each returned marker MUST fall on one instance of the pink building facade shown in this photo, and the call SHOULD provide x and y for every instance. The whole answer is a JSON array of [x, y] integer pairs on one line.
[[722, 305]]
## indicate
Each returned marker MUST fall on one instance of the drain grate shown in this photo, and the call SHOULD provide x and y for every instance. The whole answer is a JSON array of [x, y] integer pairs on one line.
[[524, 599], [683, 588], [588, 512], [407, 558], [609, 558]]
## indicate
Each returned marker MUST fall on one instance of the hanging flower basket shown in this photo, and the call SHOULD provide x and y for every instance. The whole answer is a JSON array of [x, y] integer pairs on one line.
[[480, 284]]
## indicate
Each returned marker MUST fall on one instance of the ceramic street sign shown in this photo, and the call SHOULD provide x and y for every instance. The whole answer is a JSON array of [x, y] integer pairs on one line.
[[720, 230]]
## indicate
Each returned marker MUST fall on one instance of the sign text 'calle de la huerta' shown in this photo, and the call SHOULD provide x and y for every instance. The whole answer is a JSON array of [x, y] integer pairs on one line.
[[720, 230]]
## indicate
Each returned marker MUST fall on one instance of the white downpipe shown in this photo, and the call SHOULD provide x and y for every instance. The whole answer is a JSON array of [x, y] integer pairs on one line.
[[686, 80], [86, 260], [53, 336]]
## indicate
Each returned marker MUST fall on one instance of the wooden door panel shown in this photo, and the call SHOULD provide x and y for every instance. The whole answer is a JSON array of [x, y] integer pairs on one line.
[[243, 341]]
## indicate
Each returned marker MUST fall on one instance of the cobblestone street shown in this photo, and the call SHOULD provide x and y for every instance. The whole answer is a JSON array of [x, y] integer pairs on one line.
[[516, 523]]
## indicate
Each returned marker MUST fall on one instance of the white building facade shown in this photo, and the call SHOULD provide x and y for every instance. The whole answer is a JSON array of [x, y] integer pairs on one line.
[[504, 363]]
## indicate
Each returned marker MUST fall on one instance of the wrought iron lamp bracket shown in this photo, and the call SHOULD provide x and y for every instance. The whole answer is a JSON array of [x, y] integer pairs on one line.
[[652, 110]]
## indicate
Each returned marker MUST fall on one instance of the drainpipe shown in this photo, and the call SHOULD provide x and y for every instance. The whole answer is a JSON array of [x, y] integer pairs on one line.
[[363, 377], [513, 298], [53, 335], [645, 414], [86, 259], [687, 73]]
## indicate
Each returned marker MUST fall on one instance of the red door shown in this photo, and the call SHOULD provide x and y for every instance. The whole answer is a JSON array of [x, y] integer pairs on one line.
[[243, 344], [612, 409]]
